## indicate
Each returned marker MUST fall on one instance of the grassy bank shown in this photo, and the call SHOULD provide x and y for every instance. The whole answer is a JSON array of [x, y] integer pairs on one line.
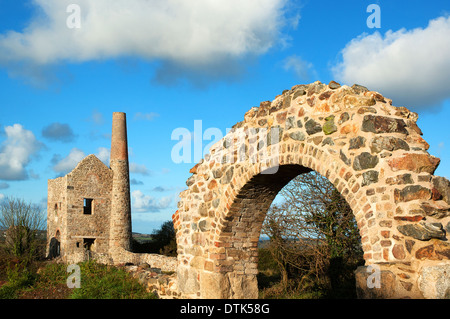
[[49, 281]]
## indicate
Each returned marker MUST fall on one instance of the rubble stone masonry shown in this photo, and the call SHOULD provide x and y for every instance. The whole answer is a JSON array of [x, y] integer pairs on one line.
[[89, 210], [373, 153], [66, 218]]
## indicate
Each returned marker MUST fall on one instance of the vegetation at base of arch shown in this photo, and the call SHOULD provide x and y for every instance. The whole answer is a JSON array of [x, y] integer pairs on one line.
[[314, 244]]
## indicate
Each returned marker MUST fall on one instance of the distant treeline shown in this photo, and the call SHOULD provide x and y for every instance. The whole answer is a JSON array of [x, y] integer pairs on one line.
[[161, 241]]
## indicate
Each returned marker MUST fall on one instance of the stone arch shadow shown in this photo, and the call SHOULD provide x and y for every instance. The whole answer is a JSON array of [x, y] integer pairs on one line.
[[371, 151]]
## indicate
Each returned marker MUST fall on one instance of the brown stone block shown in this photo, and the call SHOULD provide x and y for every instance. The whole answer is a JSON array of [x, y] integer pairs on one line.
[[217, 256], [222, 244], [386, 253], [209, 265], [399, 252], [407, 285], [436, 209], [193, 170], [281, 117], [410, 193], [355, 188], [383, 124], [385, 243], [349, 128], [415, 218], [385, 233], [387, 283], [437, 251], [418, 163], [367, 256]]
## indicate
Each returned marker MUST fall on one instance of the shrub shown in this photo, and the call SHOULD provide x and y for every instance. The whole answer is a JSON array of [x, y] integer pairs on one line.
[[22, 223], [98, 281], [19, 277], [105, 282]]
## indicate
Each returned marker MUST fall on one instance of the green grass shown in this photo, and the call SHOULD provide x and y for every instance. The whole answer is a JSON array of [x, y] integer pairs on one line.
[[106, 282], [19, 278], [98, 281]]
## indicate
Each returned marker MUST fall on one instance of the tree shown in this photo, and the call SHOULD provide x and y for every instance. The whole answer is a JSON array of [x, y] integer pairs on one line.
[[165, 239], [313, 232], [278, 250], [21, 222]]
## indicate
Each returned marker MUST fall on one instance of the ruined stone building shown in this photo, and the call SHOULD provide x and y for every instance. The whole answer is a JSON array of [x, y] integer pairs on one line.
[[89, 209], [369, 149]]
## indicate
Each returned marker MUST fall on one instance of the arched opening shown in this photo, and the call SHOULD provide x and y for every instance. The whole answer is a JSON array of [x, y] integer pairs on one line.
[[370, 150], [241, 232], [55, 246], [310, 244]]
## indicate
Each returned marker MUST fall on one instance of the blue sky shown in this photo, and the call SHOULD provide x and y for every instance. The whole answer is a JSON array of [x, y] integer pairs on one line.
[[64, 69]]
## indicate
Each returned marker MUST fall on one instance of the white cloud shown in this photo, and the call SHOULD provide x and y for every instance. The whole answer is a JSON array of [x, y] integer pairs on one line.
[[145, 116], [134, 181], [68, 163], [58, 132], [412, 67], [146, 203], [161, 189], [103, 155], [195, 34], [16, 152], [139, 169], [96, 118], [303, 70]]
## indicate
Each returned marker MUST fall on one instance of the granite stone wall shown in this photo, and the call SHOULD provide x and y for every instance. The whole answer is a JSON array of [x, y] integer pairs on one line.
[[66, 214], [89, 214], [373, 153]]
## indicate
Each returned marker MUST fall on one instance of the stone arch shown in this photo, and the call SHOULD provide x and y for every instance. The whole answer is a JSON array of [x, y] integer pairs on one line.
[[371, 151]]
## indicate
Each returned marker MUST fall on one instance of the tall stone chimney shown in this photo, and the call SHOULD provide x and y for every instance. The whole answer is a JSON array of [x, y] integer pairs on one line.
[[120, 227]]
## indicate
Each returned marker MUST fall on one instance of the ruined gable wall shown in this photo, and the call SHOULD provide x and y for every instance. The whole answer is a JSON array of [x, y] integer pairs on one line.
[[90, 179]]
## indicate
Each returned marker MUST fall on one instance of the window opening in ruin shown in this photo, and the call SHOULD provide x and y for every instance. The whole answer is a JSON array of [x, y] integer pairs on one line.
[[87, 206], [88, 242]]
